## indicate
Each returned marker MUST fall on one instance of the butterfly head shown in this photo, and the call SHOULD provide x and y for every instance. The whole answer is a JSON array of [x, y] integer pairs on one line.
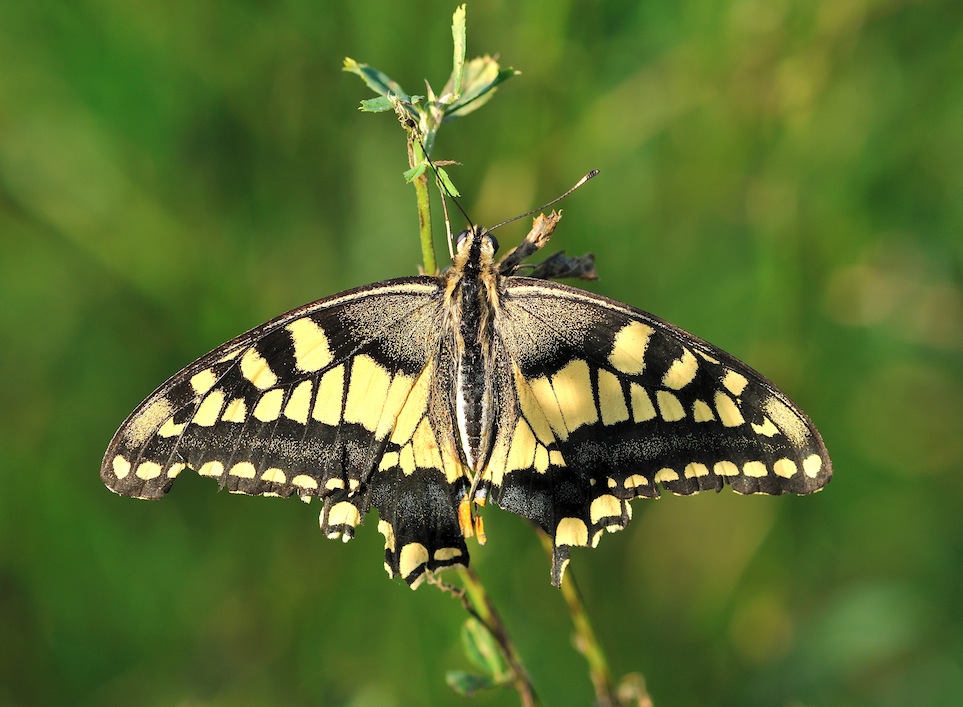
[[475, 249]]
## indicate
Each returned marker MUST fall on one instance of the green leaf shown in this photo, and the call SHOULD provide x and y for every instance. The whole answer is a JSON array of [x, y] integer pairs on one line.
[[446, 181], [458, 37], [482, 75], [419, 154], [377, 81], [467, 684], [415, 172], [377, 105], [483, 650]]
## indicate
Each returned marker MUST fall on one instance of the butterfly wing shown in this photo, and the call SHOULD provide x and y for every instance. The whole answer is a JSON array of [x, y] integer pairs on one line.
[[326, 401], [610, 402]]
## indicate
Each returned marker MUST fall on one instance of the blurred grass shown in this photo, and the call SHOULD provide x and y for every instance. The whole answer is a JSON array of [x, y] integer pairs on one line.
[[781, 178]]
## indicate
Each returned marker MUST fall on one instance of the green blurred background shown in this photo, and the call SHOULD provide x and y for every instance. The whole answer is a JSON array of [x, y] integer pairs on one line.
[[783, 179]]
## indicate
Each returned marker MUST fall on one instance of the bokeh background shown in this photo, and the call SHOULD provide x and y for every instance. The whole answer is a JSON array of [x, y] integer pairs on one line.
[[784, 179]]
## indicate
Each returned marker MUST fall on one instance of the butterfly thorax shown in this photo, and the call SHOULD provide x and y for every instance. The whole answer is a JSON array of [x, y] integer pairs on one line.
[[472, 291]]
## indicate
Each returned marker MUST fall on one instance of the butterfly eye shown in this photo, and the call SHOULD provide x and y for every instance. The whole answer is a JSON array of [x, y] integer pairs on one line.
[[494, 243], [460, 239]]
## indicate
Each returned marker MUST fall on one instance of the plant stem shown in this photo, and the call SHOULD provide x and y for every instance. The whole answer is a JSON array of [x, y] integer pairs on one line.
[[424, 208], [477, 602], [585, 639]]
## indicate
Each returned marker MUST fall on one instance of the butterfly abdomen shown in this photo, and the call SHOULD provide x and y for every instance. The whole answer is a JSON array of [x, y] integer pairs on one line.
[[474, 384]]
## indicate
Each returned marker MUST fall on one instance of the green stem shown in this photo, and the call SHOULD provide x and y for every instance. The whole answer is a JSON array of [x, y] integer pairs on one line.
[[477, 602], [586, 641], [489, 616], [424, 209]]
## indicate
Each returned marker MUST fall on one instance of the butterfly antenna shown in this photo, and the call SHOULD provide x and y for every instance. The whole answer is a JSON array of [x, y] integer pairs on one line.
[[579, 183], [444, 208]]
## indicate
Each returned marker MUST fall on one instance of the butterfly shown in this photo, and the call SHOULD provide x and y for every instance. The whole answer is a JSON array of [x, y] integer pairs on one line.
[[426, 397]]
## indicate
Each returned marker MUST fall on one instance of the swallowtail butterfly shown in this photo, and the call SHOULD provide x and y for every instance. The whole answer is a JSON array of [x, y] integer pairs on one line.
[[427, 396]]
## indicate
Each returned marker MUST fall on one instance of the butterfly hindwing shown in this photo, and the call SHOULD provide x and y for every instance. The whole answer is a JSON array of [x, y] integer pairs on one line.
[[616, 403]]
